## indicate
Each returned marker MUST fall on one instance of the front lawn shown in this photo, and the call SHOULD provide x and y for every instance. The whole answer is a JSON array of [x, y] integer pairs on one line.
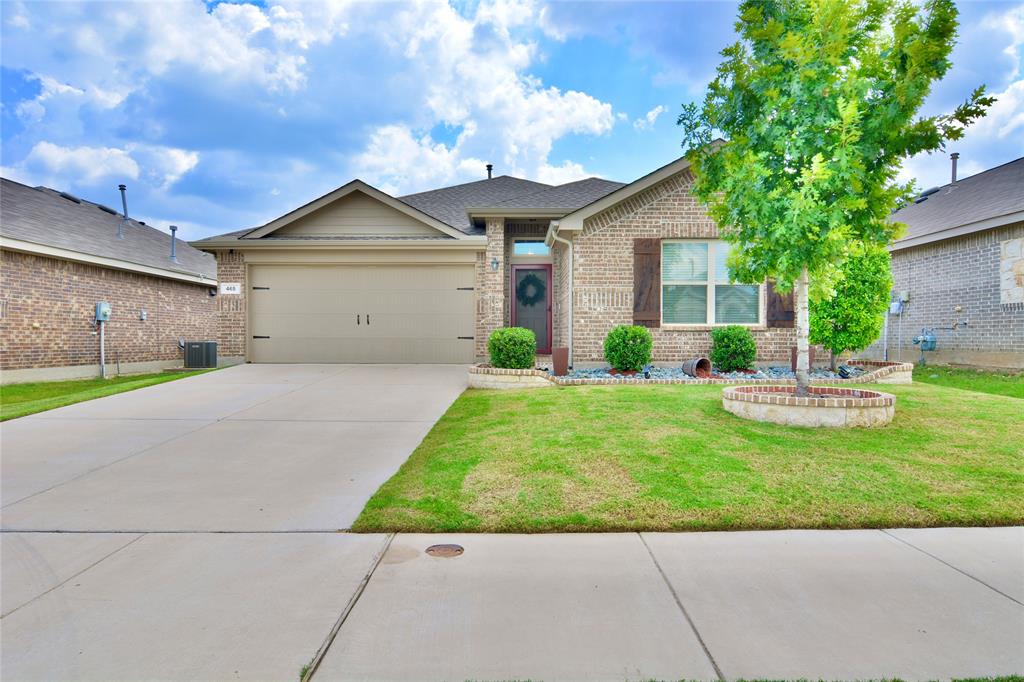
[[670, 458], [19, 400], [1006, 382]]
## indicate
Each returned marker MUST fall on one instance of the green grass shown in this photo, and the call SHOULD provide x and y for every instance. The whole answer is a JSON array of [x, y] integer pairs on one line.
[[19, 400], [601, 458], [1006, 382]]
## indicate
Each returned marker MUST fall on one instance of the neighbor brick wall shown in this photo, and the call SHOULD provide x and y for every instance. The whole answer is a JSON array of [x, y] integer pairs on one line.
[[230, 307], [48, 306], [942, 275], [603, 272]]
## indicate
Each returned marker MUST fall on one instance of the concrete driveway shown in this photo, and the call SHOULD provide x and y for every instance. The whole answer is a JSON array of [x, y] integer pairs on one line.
[[249, 448], [189, 530]]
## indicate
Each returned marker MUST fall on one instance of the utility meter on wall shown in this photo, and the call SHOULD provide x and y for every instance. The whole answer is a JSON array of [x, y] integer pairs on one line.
[[102, 311]]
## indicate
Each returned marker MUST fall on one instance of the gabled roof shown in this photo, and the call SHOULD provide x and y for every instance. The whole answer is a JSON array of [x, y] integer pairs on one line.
[[345, 190], [450, 204], [574, 221], [43, 220], [989, 199]]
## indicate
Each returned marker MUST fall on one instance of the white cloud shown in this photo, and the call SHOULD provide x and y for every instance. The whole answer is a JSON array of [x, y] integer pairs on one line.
[[648, 119], [64, 167], [558, 175], [474, 77], [91, 164]]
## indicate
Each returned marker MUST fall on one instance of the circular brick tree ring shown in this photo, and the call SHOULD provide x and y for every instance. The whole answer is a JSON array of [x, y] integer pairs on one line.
[[826, 406]]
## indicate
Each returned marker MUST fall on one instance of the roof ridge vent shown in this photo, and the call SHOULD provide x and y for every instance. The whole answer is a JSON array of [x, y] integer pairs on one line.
[[106, 209]]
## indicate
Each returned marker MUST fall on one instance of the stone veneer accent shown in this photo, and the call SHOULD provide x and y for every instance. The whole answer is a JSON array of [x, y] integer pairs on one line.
[[604, 274], [48, 308], [827, 406], [963, 271]]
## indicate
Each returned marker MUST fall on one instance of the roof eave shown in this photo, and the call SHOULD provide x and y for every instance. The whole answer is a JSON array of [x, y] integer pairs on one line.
[[506, 212], [958, 231], [34, 248], [466, 242]]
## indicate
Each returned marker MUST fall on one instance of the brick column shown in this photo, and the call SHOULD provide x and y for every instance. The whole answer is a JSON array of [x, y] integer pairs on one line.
[[490, 285], [231, 307]]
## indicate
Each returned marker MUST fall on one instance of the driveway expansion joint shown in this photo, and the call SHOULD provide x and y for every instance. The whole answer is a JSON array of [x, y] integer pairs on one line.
[[343, 616], [955, 568], [75, 575], [686, 615]]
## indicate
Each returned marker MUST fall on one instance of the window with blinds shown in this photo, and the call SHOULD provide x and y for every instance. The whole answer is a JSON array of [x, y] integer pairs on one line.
[[695, 286]]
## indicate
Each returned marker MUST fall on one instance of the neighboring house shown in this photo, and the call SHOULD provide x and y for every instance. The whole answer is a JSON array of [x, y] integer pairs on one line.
[[60, 255], [361, 276], [961, 264]]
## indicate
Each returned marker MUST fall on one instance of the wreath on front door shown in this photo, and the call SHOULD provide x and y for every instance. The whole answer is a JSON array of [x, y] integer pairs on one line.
[[531, 290]]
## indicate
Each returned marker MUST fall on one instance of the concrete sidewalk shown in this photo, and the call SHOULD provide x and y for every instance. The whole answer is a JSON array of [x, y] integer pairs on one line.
[[913, 604]]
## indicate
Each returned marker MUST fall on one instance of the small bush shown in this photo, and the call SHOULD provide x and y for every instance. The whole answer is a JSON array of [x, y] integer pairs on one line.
[[628, 348], [732, 348], [512, 347]]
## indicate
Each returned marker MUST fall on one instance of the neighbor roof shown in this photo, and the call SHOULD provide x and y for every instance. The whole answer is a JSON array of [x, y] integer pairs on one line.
[[67, 225], [989, 199]]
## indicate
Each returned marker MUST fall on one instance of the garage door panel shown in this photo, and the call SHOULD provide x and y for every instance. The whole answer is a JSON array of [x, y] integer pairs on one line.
[[309, 313]]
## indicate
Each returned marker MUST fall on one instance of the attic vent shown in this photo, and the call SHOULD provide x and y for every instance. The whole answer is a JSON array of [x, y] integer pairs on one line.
[[106, 209], [71, 197], [925, 194]]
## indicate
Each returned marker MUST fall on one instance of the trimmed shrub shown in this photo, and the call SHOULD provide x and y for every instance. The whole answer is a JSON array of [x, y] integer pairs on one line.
[[732, 348], [512, 347], [628, 348]]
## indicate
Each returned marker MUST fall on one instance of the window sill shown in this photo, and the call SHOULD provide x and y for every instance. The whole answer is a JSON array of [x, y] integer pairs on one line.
[[709, 327]]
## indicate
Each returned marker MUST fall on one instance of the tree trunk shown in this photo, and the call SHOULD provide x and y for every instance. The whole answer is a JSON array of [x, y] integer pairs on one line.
[[803, 328], [832, 360]]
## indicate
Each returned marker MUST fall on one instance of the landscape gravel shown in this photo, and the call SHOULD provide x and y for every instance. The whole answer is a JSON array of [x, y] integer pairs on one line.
[[677, 373]]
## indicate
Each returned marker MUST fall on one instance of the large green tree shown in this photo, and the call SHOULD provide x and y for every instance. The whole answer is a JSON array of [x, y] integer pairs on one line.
[[818, 104], [852, 318]]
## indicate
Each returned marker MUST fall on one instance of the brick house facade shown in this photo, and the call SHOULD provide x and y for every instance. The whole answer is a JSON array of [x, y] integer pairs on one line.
[[59, 256], [302, 257], [941, 276]]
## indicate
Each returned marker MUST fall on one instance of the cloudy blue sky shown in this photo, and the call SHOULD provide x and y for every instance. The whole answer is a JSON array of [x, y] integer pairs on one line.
[[221, 116]]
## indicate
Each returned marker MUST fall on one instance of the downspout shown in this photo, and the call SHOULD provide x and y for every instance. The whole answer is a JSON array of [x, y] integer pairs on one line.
[[553, 233]]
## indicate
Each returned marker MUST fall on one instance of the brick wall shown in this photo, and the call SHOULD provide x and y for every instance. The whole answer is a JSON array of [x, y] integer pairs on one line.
[[942, 275], [47, 308], [230, 307], [603, 272], [490, 286]]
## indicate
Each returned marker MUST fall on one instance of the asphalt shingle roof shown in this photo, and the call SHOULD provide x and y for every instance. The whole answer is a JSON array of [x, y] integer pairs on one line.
[[571, 195], [996, 192], [43, 216], [449, 204]]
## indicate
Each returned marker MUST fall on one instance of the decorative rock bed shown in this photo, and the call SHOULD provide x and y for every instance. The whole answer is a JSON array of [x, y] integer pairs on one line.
[[827, 406], [483, 376]]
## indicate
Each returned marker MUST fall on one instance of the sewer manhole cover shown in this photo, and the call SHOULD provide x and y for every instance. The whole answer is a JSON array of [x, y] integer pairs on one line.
[[445, 550]]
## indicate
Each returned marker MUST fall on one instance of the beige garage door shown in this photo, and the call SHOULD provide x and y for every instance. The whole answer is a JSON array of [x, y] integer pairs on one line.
[[361, 313]]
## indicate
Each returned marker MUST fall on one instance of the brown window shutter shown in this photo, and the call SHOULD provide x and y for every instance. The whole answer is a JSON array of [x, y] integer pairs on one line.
[[781, 312], [647, 282]]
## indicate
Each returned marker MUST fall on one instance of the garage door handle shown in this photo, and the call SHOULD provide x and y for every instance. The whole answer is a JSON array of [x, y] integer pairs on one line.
[[261, 337], [357, 320], [367, 319], [467, 338]]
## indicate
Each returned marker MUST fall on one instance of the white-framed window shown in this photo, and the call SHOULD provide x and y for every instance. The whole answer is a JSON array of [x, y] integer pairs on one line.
[[695, 287]]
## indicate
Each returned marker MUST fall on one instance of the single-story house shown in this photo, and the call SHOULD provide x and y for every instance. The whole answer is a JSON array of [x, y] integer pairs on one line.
[[60, 255], [958, 272], [358, 275]]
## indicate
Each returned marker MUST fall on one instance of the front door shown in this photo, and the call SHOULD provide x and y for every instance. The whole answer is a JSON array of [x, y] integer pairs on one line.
[[531, 308]]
